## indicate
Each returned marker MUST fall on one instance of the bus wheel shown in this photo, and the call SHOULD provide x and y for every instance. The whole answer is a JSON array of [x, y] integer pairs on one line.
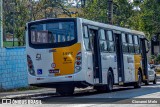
[[65, 90], [146, 82], [155, 80], [110, 82], [139, 82]]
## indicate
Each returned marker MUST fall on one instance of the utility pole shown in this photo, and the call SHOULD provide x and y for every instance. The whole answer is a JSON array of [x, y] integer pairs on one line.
[[45, 7], [13, 20], [31, 9], [1, 24], [110, 11]]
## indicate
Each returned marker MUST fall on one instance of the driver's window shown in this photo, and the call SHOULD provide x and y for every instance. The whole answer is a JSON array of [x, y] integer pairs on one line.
[[86, 38], [91, 37]]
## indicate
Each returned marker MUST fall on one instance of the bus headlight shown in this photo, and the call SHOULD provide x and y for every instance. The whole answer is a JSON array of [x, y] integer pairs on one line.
[[78, 62], [30, 66]]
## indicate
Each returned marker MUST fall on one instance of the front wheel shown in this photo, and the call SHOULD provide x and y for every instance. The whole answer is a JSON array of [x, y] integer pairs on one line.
[[146, 82], [139, 82], [155, 80]]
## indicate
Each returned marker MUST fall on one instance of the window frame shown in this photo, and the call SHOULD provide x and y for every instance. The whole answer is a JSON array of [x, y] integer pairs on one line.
[[86, 37], [113, 40], [53, 45], [137, 45], [131, 44], [126, 38], [104, 40]]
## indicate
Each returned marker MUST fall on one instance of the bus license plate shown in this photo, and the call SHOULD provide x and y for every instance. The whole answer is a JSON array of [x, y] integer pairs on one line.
[[54, 71]]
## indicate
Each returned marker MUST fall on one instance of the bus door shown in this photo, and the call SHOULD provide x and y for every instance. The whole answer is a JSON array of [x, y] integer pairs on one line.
[[94, 42], [144, 51], [119, 53]]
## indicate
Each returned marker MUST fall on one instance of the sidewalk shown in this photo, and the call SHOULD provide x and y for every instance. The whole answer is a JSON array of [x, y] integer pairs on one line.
[[28, 93]]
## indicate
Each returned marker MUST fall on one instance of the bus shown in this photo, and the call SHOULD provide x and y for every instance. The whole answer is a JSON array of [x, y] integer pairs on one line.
[[65, 53]]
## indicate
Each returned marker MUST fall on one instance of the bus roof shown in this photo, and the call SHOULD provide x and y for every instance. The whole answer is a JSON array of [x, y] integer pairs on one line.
[[108, 26]]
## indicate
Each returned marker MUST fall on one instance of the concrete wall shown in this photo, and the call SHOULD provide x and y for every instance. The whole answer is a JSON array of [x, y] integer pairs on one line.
[[13, 68]]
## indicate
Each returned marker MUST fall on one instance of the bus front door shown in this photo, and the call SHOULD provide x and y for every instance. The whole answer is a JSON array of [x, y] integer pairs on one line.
[[94, 41], [120, 63], [143, 44]]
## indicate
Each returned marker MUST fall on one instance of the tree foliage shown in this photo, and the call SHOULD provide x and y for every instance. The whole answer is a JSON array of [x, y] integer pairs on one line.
[[140, 15], [148, 18], [18, 12]]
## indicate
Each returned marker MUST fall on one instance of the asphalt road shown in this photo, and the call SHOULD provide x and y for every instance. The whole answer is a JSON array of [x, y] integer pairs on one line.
[[121, 96]]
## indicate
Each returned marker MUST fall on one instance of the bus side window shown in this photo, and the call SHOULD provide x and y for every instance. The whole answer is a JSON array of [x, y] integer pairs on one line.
[[130, 41], [103, 42], [125, 43], [136, 44], [110, 41], [86, 38]]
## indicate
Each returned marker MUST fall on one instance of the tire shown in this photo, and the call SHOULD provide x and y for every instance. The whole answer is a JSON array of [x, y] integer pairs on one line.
[[65, 90], [108, 87], [146, 82], [110, 81], [155, 80], [139, 82]]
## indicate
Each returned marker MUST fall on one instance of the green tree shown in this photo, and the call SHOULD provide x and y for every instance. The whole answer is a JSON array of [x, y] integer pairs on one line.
[[123, 10], [98, 10], [18, 12], [148, 18], [95, 10]]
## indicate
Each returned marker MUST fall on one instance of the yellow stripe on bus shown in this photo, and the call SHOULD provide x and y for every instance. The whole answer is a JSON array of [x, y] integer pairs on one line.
[[137, 64], [64, 59]]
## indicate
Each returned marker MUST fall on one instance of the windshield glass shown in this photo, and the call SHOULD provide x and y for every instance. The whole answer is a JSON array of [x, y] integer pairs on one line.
[[55, 32]]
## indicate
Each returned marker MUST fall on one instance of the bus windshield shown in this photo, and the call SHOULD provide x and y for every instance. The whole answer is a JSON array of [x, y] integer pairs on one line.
[[52, 32]]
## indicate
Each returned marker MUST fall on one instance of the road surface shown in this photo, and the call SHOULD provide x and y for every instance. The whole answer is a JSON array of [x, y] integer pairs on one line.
[[92, 98]]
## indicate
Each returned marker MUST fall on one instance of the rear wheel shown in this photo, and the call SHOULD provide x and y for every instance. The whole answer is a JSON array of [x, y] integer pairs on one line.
[[65, 89], [155, 80], [139, 82], [109, 86]]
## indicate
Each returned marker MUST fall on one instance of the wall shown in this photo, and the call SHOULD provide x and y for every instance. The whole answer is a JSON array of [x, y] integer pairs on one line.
[[13, 68]]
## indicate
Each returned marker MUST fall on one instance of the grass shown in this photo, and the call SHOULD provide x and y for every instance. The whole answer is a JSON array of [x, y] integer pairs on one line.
[[21, 89], [9, 44]]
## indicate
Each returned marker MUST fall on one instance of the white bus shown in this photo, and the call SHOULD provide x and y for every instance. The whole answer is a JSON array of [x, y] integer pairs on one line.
[[74, 52]]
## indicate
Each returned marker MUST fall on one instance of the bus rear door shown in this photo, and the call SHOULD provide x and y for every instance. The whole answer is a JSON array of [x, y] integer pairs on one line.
[[120, 63], [94, 40]]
